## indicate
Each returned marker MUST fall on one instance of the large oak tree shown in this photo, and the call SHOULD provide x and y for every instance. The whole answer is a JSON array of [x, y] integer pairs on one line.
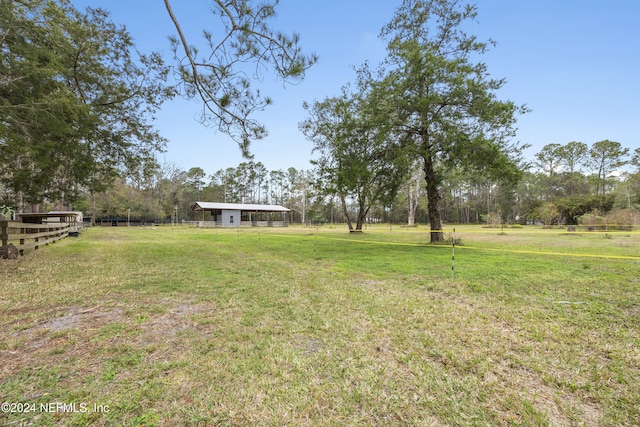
[[446, 103]]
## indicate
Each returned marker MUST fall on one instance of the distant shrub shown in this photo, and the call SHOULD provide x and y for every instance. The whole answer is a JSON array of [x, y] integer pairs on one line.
[[621, 219], [492, 219], [591, 219], [548, 214], [6, 212]]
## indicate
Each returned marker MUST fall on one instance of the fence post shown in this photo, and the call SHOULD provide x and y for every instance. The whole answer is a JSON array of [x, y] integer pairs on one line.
[[4, 232], [22, 232]]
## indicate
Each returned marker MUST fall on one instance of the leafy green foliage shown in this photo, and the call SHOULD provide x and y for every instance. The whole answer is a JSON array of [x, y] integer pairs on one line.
[[604, 158], [76, 101], [359, 159], [577, 179], [571, 208], [448, 113]]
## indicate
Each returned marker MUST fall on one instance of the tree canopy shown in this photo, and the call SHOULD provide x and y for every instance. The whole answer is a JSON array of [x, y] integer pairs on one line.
[[359, 159], [448, 112], [430, 100], [76, 98]]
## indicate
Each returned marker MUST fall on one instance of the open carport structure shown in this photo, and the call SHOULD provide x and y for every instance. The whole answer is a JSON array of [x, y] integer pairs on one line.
[[240, 215]]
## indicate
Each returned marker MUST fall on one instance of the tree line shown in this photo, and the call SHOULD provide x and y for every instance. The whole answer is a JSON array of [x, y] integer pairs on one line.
[[563, 184], [420, 138], [573, 182], [155, 194]]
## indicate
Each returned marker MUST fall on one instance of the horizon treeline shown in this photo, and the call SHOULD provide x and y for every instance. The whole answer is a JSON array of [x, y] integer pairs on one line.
[[564, 184]]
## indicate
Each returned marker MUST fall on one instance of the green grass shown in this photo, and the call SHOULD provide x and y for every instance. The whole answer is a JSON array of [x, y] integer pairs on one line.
[[318, 327]]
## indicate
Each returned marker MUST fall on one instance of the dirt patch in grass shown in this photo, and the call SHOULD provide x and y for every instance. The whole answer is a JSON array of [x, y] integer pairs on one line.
[[525, 384], [79, 331], [82, 318]]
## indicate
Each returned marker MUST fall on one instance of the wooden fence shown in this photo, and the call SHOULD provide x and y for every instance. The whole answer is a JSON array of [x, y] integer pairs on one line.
[[31, 236]]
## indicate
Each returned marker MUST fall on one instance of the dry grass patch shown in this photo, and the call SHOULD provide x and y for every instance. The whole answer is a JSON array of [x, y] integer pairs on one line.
[[203, 327]]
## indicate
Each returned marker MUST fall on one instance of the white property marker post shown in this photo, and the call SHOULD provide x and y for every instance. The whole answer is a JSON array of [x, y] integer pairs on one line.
[[453, 253], [315, 241]]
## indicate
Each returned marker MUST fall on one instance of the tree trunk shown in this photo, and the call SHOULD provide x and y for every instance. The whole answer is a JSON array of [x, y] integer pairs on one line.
[[363, 210], [19, 202], [433, 199], [412, 198], [93, 209], [346, 213]]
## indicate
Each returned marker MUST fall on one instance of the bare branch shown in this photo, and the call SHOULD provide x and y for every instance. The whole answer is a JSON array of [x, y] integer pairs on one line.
[[220, 80]]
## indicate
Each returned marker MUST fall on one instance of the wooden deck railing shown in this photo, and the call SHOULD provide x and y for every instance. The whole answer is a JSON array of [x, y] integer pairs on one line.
[[31, 236]]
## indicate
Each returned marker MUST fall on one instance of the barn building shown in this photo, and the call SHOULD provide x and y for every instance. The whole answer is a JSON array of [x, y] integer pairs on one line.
[[240, 215]]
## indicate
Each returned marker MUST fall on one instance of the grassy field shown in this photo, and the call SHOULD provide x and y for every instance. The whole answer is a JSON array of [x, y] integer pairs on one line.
[[178, 326]]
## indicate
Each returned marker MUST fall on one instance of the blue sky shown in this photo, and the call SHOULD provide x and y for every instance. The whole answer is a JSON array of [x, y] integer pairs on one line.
[[574, 63]]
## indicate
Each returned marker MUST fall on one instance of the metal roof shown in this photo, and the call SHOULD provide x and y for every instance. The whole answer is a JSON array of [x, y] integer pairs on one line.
[[47, 214], [239, 207], [66, 212]]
